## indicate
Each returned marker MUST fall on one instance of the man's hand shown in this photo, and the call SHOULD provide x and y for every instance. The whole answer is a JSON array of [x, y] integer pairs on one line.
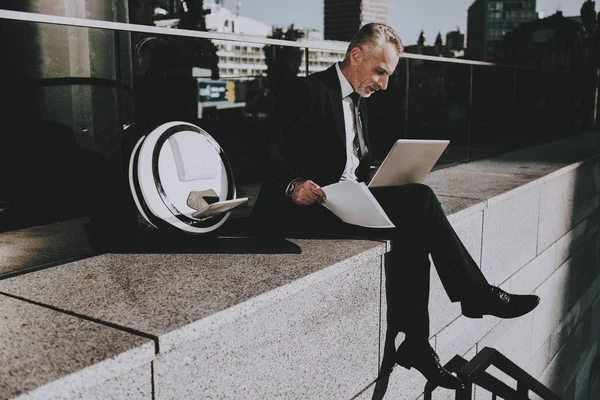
[[307, 192]]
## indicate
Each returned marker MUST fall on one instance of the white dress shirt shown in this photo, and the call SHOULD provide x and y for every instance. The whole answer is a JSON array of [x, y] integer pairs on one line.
[[349, 108]]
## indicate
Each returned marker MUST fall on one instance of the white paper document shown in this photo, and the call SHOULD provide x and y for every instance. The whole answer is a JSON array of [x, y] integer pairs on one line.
[[354, 204]]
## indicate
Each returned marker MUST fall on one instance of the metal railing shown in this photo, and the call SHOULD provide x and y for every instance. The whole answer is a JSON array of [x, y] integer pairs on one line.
[[484, 109], [129, 27], [474, 373], [460, 106]]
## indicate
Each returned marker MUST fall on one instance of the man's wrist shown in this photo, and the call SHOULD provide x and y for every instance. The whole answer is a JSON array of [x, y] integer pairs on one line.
[[290, 187]]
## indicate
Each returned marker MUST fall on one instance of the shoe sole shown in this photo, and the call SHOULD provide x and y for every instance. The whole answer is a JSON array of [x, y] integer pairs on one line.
[[478, 314]]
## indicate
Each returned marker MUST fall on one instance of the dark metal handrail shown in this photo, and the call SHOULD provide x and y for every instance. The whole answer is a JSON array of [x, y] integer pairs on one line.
[[474, 373], [331, 45]]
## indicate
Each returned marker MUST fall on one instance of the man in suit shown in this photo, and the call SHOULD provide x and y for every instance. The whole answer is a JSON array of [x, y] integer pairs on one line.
[[318, 136]]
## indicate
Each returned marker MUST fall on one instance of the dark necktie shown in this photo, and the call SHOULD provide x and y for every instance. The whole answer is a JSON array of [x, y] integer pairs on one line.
[[359, 142]]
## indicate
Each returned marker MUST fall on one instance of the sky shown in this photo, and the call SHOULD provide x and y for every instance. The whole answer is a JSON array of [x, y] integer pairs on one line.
[[407, 17]]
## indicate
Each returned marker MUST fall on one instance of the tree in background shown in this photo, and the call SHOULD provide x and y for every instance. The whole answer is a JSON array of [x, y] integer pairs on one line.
[[141, 12], [196, 52], [422, 39], [589, 31], [439, 43], [159, 54], [282, 62]]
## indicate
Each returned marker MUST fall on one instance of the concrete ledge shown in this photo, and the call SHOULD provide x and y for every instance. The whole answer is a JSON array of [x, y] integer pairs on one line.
[[267, 307], [49, 354], [275, 351], [306, 319]]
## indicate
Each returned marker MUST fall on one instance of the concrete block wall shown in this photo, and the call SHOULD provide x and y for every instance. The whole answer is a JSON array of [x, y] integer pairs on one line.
[[305, 319], [302, 323], [48, 354], [320, 343], [541, 238]]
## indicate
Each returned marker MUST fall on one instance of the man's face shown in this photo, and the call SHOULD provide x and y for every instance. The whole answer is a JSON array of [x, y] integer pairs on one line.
[[372, 67]]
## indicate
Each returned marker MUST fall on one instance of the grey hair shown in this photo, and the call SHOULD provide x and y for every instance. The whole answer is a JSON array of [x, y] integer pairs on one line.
[[375, 35]]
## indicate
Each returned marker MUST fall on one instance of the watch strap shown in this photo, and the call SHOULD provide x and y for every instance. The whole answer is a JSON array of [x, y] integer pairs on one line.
[[290, 187]]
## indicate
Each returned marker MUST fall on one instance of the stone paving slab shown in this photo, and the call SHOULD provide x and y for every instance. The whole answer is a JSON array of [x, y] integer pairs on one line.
[[321, 343], [161, 294], [542, 160], [457, 208], [136, 384], [46, 353], [474, 184], [441, 310], [510, 231], [561, 209], [28, 248], [493, 179]]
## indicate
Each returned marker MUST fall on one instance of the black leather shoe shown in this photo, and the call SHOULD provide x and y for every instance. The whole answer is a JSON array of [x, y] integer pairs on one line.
[[423, 358], [495, 301]]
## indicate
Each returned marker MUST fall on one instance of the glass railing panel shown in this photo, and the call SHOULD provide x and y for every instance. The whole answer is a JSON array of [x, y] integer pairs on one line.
[[59, 142], [438, 105], [230, 96], [492, 127], [553, 104], [79, 99], [320, 60], [583, 100], [574, 102], [387, 113], [529, 117]]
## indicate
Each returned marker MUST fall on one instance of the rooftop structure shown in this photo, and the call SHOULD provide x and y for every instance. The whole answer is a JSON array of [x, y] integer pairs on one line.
[[488, 21], [344, 17]]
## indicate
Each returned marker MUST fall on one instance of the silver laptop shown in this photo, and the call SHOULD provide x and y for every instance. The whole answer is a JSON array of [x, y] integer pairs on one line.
[[409, 161]]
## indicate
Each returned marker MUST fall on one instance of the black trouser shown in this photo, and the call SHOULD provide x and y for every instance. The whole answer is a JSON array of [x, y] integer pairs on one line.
[[421, 229]]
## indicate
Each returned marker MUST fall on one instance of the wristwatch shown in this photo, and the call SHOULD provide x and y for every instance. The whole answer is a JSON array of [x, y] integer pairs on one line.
[[290, 187]]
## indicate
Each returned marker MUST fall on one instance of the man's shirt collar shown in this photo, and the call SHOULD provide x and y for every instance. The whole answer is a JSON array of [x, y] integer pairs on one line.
[[344, 84]]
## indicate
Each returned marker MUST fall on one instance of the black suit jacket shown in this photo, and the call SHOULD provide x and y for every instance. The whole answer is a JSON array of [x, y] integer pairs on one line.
[[306, 138]]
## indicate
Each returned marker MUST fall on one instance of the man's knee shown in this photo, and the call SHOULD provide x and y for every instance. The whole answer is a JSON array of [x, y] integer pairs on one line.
[[413, 201], [421, 190]]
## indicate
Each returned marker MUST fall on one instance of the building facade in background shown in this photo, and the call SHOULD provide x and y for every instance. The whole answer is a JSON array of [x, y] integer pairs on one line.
[[455, 41], [344, 17], [244, 61], [552, 43], [247, 61], [489, 20]]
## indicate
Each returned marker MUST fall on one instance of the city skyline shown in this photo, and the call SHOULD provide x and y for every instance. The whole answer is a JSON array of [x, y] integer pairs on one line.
[[408, 18]]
